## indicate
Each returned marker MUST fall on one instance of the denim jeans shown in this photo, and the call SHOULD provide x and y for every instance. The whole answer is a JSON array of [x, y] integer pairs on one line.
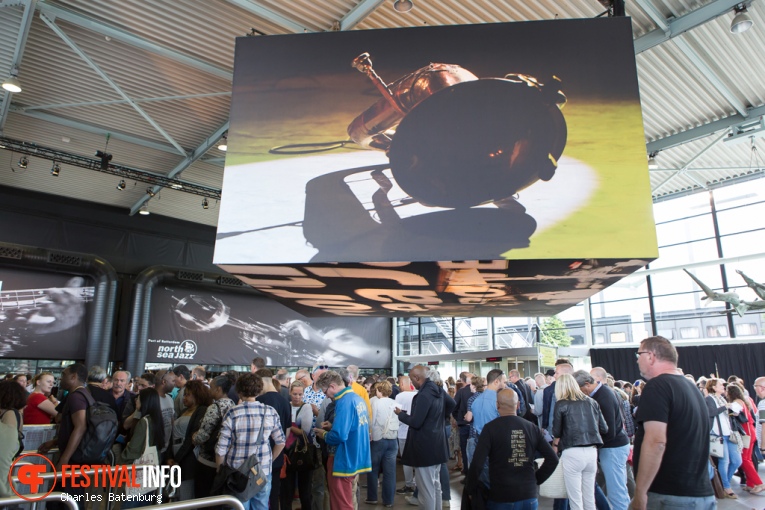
[[464, 431], [730, 463], [383, 459], [601, 502], [526, 504], [260, 500], [484, 476], [612, 462], [664, 502]]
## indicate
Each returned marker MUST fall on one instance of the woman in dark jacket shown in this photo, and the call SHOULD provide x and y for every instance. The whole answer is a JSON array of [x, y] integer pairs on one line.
[[196, 398], [577, 428], [150, 422]]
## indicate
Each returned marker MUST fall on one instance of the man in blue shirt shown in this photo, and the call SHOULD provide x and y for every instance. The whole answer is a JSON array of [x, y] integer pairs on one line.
[[350, 434], [484, 410]]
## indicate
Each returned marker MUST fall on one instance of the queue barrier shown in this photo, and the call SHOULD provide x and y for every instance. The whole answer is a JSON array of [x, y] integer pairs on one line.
[[53, 496], [229, 501], [56, 476]]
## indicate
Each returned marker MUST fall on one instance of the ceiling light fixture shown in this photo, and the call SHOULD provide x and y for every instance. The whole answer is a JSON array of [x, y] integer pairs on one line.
[[150, 192], [12, 84], [55, 170], [223, 145], [122, 185], [403, 5], [205, 204], [23, 162], [652, 163], [741, 21], [144, 210]]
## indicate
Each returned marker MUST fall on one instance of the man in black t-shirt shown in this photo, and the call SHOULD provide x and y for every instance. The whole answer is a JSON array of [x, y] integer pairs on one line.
[[511, 444], [672, 436]]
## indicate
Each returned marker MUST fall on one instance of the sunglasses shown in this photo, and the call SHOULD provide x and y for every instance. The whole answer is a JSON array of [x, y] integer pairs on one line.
[[321, 367]]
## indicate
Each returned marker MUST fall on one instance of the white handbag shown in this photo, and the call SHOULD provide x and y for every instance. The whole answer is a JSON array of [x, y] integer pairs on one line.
[[554, 487], [150, 457], [716, 446]]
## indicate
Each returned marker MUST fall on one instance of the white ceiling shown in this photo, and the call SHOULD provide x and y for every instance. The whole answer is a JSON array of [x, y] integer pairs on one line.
[[174, 62]]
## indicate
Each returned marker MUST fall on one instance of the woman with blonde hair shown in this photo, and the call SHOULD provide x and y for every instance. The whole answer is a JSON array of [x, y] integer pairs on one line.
[[577, 428], [41, 406]]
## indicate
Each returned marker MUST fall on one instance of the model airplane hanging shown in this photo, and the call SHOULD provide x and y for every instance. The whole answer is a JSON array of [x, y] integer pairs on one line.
[[741, 306]]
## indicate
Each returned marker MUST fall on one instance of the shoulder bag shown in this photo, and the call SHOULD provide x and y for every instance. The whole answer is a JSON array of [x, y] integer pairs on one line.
[[554, 487], [303, 456], [247, 480], [150, 457], [717, 443], [717, 483]]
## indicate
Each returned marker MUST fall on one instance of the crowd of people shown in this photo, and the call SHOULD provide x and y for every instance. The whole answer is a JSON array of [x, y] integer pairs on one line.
[[332, 438]]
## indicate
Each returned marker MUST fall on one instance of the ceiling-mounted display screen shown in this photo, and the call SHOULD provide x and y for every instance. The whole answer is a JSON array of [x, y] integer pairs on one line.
[[493, 142]]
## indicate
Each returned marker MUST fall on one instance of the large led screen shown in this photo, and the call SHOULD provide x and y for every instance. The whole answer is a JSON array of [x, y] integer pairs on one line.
[[43, 315], [479, 142], [190, 326]]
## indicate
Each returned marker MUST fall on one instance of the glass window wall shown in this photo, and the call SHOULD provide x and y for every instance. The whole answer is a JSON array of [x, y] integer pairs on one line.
[[668, 303]]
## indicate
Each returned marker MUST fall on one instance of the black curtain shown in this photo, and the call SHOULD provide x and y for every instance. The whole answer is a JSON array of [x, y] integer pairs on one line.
[[743, 360]]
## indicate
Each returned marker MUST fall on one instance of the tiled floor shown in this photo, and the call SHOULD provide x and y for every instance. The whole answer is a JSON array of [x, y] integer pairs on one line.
[[746, 501]]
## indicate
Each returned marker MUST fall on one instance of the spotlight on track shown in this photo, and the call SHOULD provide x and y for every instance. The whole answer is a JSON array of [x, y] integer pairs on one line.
[[205, 204], [55, 170], [122, 185], [105, 159], [23, 162], [150, 192]]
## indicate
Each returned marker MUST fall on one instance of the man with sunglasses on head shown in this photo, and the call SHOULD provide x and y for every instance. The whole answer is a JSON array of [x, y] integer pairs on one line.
[[671, 452]]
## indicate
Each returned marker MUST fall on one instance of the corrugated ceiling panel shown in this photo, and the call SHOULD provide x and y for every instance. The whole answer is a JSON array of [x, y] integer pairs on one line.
[[673, 94], [738, 58], [53, 73], [10, 21], [202, 29], [314, 16]]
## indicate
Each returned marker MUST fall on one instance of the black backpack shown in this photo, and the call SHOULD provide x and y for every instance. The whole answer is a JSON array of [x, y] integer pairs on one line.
[[100, 433]]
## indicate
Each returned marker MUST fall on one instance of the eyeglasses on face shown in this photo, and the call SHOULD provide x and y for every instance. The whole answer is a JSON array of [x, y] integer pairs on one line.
[[637, 354]]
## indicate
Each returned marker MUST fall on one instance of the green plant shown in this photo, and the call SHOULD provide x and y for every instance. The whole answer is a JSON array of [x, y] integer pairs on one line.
[[554, 332]]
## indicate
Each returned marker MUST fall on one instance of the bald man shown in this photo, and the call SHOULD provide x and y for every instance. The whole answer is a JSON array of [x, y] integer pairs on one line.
[[510, 444], [425, 448]]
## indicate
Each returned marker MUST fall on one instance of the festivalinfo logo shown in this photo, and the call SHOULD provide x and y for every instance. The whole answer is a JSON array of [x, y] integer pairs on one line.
[[134, 479]]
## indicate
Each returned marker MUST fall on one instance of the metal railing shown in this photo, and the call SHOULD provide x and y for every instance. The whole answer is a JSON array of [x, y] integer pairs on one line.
[[229, 501], [57, 475], [53, 496]]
